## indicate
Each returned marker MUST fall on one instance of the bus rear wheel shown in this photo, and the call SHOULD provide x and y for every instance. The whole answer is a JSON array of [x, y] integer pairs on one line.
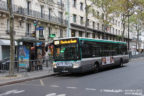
[[96, 67], [121, 63]]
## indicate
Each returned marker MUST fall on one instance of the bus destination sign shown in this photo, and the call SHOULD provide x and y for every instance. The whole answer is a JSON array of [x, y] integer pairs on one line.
[[69, 41]]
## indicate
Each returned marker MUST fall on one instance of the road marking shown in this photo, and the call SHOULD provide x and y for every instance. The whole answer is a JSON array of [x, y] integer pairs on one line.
[[51, 94], [54, 94], [71, 87], [41, 82], [12, 92], [55, 86], [62, 95], [17, 92], [90, 89]]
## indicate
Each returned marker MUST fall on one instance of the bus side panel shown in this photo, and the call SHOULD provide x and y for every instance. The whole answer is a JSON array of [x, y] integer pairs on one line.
[[126, 58], [88, 63], [117, 59]]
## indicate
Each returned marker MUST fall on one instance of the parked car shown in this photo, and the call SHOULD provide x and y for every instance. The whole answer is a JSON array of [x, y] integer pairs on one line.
[[4, 64]]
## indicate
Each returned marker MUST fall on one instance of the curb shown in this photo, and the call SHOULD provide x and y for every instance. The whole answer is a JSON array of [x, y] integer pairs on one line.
[[25, 79], [134, 59]]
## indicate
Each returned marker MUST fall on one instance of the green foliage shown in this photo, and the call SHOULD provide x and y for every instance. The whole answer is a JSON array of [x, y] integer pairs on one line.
[[107, 9]]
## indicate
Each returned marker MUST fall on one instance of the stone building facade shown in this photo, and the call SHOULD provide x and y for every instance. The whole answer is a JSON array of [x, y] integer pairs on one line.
[[49, 15], [95, 26]]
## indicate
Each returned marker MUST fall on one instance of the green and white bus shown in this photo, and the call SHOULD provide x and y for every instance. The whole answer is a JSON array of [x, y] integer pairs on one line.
[[84, 54]]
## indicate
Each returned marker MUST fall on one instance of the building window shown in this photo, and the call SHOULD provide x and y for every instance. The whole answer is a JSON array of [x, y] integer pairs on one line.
[[113, 30], [8, 26], [98, 26], [98, 35], [93, 25], [74, 18], [28, 7], [88, 22], [87, 34], [28, 29], [60, 16], [93, 35], [42, 7], [81, 6], [113, 21], [60, 1], [49, 31], [109, 29], [93, 12], [74, 3], [73, 33], [103, 16], [97, 13], [80, 33], [40, 33], [102, 27], [81, 20], [61, 33], [116, 22], [49, 13]]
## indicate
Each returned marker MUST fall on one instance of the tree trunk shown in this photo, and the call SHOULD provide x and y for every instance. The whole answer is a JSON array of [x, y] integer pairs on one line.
[[12, 44]]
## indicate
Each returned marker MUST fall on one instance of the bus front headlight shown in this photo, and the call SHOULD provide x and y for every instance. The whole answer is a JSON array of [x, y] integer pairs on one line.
[[54, 65], [76, 64]]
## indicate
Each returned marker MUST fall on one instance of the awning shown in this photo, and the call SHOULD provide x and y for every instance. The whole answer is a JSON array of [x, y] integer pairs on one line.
[[5, 42], [29, 39]]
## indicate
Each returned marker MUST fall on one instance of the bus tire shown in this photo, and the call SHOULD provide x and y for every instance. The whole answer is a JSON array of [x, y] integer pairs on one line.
[[121, 63], [96, 67]]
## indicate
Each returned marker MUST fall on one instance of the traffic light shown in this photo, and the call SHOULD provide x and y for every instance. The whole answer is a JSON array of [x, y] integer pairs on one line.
[[35, 23]]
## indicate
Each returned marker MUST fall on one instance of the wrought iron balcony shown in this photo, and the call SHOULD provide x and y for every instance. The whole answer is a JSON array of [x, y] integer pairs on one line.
[[33, 14], [3, 6], [60, 4]]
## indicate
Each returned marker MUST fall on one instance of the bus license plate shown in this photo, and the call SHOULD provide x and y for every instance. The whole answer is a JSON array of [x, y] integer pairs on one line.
[[64, 70], [64, 64]]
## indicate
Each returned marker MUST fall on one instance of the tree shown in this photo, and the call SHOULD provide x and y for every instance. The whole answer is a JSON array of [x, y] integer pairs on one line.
[[107, 7], [125, 9], [12, 44], [136, 20]]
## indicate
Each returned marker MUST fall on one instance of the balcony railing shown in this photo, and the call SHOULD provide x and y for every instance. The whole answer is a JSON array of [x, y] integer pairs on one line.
[[32, 13], [3, 6], [60, 4]]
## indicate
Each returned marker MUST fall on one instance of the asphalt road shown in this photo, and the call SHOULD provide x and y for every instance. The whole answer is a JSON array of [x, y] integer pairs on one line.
[[124, 81]]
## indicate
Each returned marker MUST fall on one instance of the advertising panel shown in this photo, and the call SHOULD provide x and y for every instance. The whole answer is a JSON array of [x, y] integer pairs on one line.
[[107, 60], [23, 57]]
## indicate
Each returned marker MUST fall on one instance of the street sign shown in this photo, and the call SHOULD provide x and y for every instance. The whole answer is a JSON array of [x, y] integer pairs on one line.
[[40, 28], [52, 35]]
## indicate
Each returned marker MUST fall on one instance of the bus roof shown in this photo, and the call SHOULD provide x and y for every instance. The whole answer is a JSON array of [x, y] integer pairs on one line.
[[95, 40]]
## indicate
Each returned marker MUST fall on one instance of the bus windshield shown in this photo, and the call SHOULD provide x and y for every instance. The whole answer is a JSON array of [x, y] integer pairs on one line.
[[66, 52]]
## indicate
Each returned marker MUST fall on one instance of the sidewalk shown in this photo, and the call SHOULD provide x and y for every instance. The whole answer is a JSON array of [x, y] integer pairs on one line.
[[24, 76]]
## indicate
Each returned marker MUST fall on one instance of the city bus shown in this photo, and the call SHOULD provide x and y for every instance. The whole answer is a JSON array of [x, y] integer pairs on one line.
[[77, 55]]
